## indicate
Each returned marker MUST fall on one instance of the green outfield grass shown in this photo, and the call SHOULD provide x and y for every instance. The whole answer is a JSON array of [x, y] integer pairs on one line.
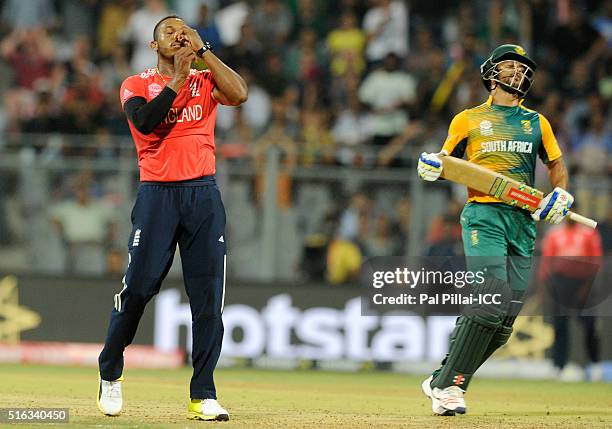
[[305, 399]]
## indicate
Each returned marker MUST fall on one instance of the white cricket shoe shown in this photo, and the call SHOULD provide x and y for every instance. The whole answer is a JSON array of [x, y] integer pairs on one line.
[[206, 409], [571, 373], [597, 372], [436, 407], [110, 400], [451, 398]]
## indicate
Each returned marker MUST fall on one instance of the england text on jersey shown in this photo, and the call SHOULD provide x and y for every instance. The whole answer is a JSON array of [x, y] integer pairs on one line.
[[182, 146]]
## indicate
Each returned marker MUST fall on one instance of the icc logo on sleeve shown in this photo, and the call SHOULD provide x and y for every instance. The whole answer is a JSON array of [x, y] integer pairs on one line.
[[126, 94], [154, 90]]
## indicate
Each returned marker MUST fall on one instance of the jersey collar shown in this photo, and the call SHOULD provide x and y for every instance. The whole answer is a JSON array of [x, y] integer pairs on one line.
[[489, 101]]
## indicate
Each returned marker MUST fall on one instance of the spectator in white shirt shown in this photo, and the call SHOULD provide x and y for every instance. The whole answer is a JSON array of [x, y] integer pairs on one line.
[[387, 91], [386, 27], [86, 226], [139, 32]]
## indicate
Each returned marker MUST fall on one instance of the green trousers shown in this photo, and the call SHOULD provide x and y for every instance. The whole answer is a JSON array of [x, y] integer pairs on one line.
[[499, 240]]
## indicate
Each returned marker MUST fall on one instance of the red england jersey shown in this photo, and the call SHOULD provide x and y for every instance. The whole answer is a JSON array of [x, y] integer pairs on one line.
[[182, 146], [568, 241]]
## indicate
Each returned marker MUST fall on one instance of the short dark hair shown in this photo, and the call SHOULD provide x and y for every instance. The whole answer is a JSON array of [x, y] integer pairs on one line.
[[162, 20]]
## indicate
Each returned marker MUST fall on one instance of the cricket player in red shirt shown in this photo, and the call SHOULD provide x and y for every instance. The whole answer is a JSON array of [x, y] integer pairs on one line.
[[571, 256], [171, 113]]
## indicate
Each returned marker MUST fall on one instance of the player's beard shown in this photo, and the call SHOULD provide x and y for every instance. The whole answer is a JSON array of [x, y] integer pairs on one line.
[[167, 54], [510, 77]]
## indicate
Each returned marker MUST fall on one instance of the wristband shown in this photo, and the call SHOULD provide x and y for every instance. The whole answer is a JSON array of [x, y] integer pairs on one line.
[[204, 48]]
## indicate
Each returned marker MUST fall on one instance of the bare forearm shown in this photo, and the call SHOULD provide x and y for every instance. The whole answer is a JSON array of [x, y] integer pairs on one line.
[[557, 173], [231, 85]]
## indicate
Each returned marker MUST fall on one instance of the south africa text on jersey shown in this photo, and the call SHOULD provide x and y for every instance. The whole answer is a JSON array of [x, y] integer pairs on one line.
[[507, 146]]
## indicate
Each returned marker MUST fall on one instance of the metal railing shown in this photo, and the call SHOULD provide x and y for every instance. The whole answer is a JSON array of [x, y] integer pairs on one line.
[[267, 229]]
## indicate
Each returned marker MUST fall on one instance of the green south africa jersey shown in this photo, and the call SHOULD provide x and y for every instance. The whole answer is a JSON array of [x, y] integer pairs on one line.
[[504, 139]]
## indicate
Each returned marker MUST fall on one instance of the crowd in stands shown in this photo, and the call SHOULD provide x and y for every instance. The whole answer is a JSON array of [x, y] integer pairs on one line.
[[356, 83]]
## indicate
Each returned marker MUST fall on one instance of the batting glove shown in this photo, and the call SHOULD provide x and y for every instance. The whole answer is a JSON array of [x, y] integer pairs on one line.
[[554, 207], [430, 166]]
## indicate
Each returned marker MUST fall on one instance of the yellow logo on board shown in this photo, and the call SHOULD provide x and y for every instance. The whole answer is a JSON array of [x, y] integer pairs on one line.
[[519, 50], [14, 318], [530, 339]]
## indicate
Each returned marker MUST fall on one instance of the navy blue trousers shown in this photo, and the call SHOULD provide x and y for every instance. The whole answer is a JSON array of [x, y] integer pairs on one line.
[[190, 214]]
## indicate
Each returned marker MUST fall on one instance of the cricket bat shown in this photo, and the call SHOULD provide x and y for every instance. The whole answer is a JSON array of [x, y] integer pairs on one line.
[[499, 186]]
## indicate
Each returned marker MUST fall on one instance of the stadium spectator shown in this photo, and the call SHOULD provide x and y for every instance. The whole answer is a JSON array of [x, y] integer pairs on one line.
[[275, 137], [257, 110], [350, 131], [85, 226], [78, 17], [592, 155], [575, 38], [246, 54], [191, 8], [272, 22], [386, 26], [236, 143], [138, 32], [114, 69], [317, 145], [115, 262], [45, 119], [20, 14], [114, 16], [230, 20], [380, 241], [310, 14], [398, 152], [387, 91], [81, 61], [272, 76], [206, 27], [81, 106], [424, 47], [605, 228], [305, 60], [401, 223], [292, 111], [30, 53], [346, 44], [255, 113], [447, 243], [579, 83], [439, 230], [359, 207], [343, 261], [112, 118]]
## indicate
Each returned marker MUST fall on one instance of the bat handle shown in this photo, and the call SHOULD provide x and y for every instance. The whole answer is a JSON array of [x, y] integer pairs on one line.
[[583, 220]]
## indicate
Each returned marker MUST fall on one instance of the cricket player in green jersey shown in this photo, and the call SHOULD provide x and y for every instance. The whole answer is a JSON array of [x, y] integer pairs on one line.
[[502, 135]]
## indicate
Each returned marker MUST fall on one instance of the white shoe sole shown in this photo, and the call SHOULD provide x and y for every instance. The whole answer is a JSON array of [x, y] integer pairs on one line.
[[440, 410], [197, 416]]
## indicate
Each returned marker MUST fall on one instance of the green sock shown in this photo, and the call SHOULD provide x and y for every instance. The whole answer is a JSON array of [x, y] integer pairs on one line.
[[471, 339]]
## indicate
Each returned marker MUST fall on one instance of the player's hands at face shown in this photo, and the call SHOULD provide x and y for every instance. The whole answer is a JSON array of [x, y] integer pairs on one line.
[[190, 38], [183, 58], [554, 207]]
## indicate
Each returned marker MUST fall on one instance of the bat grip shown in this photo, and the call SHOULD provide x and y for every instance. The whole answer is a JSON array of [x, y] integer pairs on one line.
[[583, 220]]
